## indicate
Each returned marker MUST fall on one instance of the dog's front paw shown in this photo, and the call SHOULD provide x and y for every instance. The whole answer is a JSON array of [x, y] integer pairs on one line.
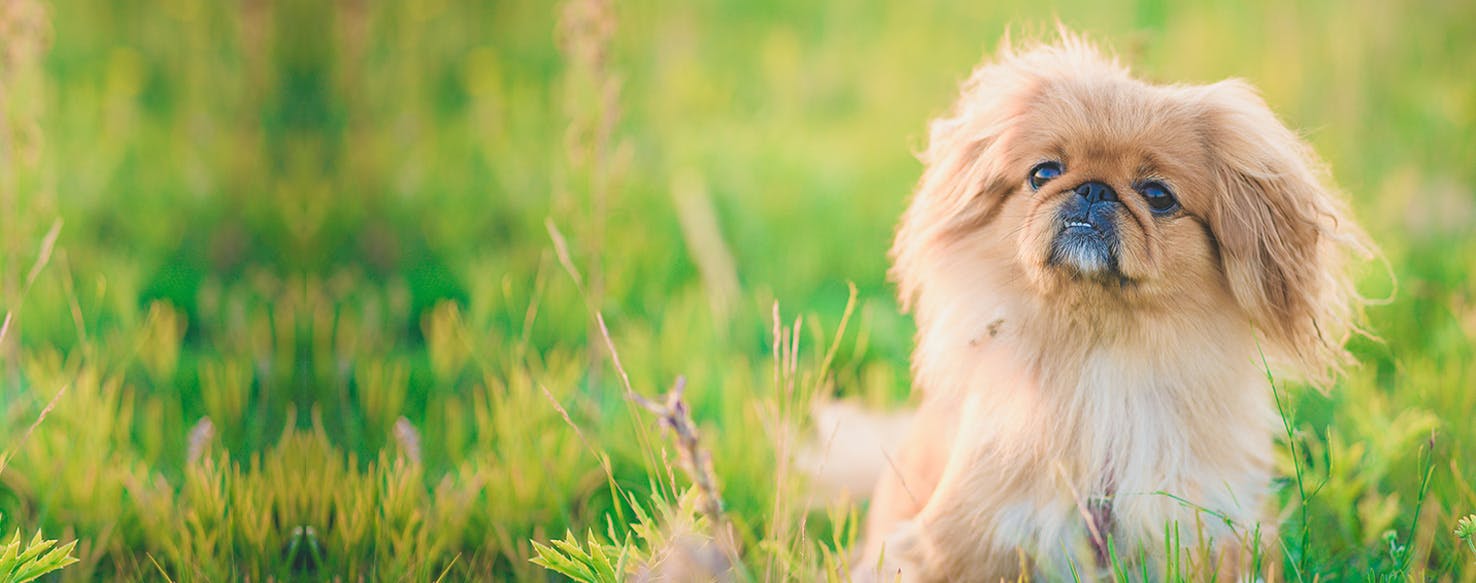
[[899, 558]]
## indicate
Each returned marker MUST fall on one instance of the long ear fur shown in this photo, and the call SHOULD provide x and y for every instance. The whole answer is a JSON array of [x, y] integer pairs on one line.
[[1283, 234], [964, 178]]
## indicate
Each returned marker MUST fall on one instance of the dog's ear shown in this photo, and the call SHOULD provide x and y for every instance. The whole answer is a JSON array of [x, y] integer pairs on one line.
[[1282, 233], [968, 164], [960, 186]]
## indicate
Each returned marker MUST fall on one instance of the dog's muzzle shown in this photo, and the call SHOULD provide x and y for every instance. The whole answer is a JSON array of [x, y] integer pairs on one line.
[[1087, 242]]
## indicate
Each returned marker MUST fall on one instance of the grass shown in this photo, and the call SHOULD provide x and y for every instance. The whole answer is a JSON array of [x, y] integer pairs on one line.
[[314, 309]]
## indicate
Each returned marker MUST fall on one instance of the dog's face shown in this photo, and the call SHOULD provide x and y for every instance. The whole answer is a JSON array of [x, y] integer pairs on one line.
[[1101, 192], [1112, 182]]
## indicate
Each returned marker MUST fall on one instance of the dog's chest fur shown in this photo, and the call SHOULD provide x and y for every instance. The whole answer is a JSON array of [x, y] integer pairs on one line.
[[1074, 439]]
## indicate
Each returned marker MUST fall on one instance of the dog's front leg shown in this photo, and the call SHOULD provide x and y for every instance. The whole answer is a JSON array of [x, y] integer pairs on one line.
[[928, 518]]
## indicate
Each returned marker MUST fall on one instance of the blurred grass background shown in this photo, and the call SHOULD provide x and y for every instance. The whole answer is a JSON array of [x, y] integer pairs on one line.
[[309, 319]]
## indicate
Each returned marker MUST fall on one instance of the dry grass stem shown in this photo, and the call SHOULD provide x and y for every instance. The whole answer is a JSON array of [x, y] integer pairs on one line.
[[43, 256], [704, 238], [21, 442]]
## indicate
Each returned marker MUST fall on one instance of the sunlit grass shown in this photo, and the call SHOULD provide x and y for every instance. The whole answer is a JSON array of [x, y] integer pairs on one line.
[[312, 321]]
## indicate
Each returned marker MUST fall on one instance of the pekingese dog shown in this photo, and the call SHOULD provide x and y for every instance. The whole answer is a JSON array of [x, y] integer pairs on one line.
[[1099, 267]]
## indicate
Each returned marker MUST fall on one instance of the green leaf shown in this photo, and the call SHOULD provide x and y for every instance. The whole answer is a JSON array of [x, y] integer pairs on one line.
[[21, 566]]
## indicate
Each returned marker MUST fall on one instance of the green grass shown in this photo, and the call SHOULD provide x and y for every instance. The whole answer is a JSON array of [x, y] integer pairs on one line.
[[325, 228]]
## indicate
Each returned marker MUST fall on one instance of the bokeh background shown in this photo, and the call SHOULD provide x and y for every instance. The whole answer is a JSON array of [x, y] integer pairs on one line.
[[320, 297]]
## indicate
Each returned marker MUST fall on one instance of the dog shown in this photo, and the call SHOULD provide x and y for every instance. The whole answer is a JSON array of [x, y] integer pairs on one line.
[[1106, 275]]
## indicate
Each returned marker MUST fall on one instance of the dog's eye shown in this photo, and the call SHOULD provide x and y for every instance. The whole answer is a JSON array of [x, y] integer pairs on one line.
[[1043, 173], [1159, 198]]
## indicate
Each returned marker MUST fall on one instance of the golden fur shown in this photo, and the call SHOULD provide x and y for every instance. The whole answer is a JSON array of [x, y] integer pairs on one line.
[[1061, 407]]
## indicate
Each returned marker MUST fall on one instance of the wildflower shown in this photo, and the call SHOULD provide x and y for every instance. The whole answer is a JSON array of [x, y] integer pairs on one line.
[[1465, 530]]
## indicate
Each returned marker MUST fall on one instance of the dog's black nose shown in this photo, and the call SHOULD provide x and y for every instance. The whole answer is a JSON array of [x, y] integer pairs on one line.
[[1096, 192]]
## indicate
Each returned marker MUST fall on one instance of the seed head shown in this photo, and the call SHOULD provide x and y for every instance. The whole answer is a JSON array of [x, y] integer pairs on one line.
[[1466, 529]]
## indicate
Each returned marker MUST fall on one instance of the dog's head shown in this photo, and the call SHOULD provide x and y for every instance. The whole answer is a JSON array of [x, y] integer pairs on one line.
[[1097, 191]]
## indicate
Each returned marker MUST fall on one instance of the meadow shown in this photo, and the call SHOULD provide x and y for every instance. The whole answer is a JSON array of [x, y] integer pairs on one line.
[[361, 290]]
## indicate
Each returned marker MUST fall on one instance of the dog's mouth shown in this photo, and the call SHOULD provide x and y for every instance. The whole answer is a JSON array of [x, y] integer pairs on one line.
[[1086, 243]]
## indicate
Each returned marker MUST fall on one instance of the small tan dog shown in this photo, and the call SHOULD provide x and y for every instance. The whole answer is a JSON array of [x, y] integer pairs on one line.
[[1096, 265]]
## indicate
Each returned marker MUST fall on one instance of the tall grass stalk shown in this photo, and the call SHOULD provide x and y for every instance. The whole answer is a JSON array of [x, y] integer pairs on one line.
[[591, 100], [43, 256], [24, 39], [1305, 536], [1427, 464]]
